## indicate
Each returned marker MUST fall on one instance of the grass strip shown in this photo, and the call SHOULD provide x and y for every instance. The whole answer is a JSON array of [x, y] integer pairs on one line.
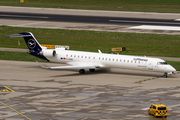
[[135, 43], [170, 6], [19, 56]]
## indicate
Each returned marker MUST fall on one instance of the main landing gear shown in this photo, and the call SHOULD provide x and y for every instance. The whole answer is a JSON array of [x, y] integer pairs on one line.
[[91, 70], [82, 71]]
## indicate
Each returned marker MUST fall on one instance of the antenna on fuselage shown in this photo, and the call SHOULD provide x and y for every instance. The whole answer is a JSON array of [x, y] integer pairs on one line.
[[99, 51]]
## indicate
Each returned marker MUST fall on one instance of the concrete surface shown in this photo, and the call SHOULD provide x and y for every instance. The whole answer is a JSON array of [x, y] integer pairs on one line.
[[42, 94], [151, 15]]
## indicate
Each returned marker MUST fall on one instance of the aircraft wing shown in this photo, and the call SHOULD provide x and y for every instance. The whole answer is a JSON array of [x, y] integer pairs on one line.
[[70, 67]]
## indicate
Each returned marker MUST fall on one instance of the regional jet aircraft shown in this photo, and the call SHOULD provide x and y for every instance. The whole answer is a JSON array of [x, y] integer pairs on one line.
[[91, 60]]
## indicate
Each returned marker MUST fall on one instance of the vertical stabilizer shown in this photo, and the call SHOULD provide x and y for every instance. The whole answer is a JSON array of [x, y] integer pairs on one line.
[[31, 42]]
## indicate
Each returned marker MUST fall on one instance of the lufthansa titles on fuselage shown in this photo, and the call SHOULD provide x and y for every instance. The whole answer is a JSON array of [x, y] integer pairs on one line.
[[140, 59]]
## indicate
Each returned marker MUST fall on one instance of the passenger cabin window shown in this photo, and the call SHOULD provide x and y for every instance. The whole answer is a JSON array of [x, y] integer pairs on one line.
[[67, 55], [71, 55], [81, 56]]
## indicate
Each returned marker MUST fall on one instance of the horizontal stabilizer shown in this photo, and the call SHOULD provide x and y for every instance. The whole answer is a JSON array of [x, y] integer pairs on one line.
[[18, 35], [43, 66]]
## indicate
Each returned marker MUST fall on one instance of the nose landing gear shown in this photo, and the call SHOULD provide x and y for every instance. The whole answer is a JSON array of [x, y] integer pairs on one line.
[[165, 75]]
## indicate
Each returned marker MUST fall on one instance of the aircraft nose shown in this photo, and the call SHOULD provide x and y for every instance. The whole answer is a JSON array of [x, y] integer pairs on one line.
[[172, 69]]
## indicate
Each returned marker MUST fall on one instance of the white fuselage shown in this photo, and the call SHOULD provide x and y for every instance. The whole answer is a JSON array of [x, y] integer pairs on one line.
[[101, 60], [90, 60]]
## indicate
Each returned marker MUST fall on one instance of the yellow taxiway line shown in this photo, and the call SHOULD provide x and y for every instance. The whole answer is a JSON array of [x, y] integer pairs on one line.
[[15, 110]]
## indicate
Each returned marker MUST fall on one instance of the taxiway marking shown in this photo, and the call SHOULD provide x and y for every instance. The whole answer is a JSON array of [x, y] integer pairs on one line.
[[5, 89], [154, 27], [23, 16], [15, 110], [156, 78]]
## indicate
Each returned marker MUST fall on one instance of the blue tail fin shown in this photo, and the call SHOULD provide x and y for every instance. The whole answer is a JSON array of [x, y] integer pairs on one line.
[[30, 40], [33, 45]]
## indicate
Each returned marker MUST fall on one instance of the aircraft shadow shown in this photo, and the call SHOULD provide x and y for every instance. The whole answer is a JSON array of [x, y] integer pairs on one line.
[[109, 71]]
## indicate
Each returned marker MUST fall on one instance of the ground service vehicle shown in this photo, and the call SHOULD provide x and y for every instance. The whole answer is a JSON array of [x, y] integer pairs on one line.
[[158, 110]]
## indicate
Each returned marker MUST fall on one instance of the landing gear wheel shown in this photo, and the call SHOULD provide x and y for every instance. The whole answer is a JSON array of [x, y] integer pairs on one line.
[[165, 75], [91, 70], [81, 71]]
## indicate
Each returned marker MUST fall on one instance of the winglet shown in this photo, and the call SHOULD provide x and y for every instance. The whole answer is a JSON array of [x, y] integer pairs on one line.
[[43, 66]]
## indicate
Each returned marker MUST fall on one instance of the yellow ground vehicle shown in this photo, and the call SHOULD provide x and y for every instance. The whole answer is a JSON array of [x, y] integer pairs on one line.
[[158, 110]]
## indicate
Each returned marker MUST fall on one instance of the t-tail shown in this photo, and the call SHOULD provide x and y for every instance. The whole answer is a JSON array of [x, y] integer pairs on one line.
[[34, 47]]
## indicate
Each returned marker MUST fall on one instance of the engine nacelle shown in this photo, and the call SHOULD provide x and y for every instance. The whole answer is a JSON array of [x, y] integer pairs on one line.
[[48, 53]]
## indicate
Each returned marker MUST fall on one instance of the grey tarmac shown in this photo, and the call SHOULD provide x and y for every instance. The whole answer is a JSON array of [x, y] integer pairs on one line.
[[41, 94]]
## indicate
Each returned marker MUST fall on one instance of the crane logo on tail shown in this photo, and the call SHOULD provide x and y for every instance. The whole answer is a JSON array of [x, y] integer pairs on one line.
[[31, 43]]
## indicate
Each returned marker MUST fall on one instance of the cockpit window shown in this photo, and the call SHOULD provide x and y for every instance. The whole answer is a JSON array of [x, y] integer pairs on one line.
[[163, 63]]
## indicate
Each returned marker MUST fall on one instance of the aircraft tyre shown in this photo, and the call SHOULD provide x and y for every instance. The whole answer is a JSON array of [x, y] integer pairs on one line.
[[165, 75], [91, 70], [81, 71]]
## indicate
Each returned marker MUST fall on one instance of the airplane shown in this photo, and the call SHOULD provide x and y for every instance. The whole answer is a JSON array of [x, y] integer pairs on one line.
[[90, 60]]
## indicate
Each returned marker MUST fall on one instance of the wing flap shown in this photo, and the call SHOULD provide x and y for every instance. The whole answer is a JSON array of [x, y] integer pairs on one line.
[[68, 67]]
